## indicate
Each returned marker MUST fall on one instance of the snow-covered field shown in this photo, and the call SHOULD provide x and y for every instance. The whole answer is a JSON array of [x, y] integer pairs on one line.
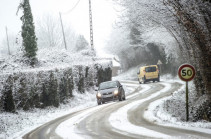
[[16, 125]]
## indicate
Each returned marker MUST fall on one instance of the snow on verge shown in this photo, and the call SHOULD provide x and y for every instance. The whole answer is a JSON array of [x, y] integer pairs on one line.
[[156, 114], [25, 121]]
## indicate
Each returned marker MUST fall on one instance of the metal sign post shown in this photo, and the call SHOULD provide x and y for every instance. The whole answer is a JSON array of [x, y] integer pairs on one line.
[[187, 106], [159, 64], [186, 73]]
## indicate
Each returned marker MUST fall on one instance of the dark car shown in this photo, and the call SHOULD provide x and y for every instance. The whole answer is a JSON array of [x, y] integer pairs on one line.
[[110, 91]]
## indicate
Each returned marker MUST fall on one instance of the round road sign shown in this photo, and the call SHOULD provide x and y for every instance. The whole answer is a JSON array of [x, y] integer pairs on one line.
[[186, 72]]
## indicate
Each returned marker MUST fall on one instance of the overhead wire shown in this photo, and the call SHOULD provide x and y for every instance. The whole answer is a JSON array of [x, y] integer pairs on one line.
[[71, 8]]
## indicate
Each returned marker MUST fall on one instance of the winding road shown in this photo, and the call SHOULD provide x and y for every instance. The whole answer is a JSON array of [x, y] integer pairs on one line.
[[118, 120]]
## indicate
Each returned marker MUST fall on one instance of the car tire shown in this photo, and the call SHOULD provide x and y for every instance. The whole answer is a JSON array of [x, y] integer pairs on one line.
[[124, 98], [144, 80], [158, 79], [120, 98], [99, 103], [139, 81]]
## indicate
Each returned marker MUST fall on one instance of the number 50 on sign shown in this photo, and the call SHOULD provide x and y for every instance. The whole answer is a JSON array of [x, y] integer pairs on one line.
[[186, 72]]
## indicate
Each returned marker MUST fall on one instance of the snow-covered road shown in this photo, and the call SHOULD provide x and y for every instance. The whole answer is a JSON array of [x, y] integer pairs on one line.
[[127, 119]]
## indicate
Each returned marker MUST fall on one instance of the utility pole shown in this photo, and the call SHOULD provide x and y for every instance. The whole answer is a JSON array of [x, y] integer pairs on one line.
[[91, 26], [8, 46], [63, 31]]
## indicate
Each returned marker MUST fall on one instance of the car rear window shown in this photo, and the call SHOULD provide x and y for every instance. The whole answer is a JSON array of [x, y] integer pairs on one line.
[[107, 85], [150, 69]]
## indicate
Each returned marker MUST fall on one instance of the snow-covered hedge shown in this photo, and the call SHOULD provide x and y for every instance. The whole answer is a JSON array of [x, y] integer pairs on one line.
[[199, 106], [42, 88]]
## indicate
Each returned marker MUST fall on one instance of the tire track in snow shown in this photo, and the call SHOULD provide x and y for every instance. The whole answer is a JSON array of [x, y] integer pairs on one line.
[[119, 119], [72, 123]]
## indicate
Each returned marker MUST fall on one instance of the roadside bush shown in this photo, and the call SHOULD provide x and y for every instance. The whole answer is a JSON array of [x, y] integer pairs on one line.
[[7, 97], [199, 107], [52, 86], [103, 74], [40, 89], [203, 112], [81, 87]]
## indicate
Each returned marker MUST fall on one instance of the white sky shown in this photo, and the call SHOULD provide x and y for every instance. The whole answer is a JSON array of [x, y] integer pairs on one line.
[[102, 11]]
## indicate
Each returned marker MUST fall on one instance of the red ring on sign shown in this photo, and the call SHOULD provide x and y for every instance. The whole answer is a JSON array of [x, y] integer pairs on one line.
[[189, 66]]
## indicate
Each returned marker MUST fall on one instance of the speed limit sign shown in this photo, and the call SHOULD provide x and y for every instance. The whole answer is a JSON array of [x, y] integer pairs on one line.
[[186, 72]]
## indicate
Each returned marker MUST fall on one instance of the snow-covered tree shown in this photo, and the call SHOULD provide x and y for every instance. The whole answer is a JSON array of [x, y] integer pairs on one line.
[[28, 32], [194, 19], [8, 100], [133, 48], [188, 22], [81, 43], [13, 43], [135, 36], [49, 33]]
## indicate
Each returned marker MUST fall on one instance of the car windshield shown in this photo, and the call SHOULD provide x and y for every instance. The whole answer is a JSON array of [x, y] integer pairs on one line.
[[107, 85], [150, 69]]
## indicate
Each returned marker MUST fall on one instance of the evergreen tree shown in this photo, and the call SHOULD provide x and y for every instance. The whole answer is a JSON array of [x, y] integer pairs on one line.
[[81, 43], [45, 96], [8, 101], [53, 92], [70, 83], [28, 33], [135, 36], [63, 89], [81, 83]]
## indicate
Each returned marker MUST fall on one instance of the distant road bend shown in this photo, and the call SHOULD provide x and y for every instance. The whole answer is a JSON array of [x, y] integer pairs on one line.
[[95, 122]]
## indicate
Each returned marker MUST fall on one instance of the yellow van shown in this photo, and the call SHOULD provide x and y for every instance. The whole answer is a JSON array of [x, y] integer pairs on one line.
[[148, 73]]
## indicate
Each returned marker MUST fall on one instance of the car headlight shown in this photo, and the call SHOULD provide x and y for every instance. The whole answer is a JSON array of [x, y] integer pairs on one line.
[[99, 94], [116, 92]]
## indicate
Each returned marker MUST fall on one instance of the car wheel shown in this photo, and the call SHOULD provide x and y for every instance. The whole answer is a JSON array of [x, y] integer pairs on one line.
[[144, 80], [124, 98], [98, 102], [158, 78], [139, 81], [120, 98]]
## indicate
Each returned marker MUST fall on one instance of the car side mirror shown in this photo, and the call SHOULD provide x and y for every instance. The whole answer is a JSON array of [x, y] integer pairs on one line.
[[120, 86], [138, 72], [96, 89]]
